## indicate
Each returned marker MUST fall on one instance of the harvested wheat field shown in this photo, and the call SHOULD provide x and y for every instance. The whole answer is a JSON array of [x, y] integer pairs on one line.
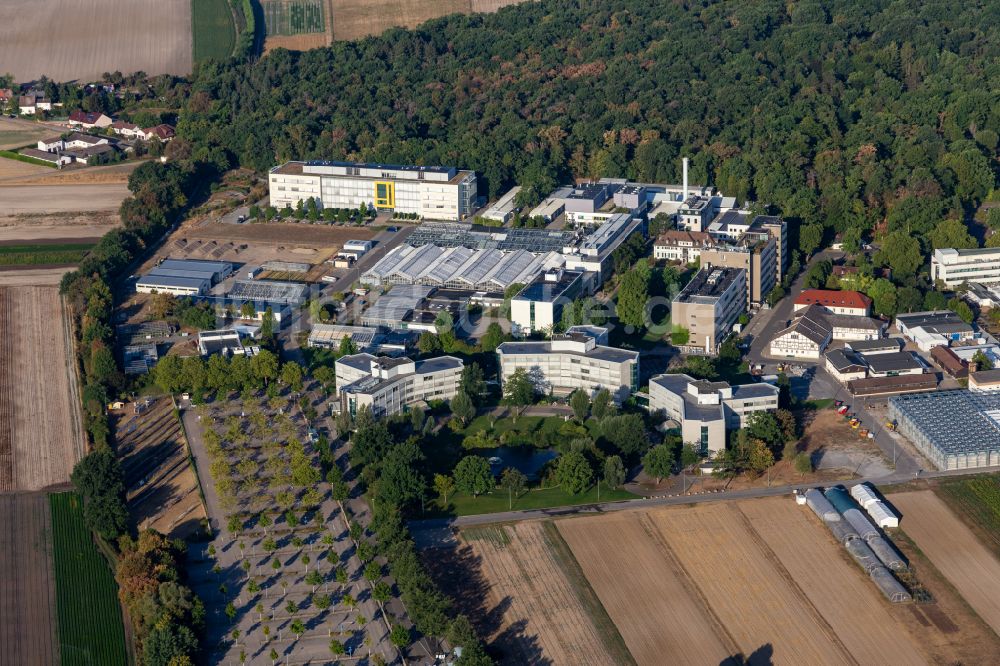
[[81, 39], [48, 199], [40, 432], [848, 602], [359, 18], [644, 592], [527, 577], [954, 550]]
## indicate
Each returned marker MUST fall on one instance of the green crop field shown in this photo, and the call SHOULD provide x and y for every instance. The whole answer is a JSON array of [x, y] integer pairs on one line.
[[90, 620], [213, 28], [978, 499], [293, 17], [34, 255]]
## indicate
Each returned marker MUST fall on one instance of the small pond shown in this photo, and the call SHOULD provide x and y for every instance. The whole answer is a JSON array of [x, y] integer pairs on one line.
[[525, 459]]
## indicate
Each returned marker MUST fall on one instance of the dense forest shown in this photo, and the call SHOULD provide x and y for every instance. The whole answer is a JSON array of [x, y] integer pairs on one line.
[[842, 114]]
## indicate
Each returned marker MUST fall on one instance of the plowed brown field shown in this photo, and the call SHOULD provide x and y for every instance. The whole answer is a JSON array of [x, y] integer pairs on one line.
[[954, 550], [643, 591], [40, 437], [527, 580]]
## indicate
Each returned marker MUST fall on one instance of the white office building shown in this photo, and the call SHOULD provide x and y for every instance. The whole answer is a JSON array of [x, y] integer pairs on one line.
[[389, 385], [704, 410], [570, 362], [953, 267], [432, 192]]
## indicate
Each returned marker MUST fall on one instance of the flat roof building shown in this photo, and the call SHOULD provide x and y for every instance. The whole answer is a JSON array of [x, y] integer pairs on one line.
[[709, 305], [891, 365], [270, 291], [539, 306], [569, 362], [390, 385], [503, 208], [955, 266], [329, 336], [705, 410], [432, 192], [930, 329], [183, 277], [955, 429], [226, 342]]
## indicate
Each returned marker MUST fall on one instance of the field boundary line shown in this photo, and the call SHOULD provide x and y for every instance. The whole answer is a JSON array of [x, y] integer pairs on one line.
[[646, 523], [605, 627], [783, 573]]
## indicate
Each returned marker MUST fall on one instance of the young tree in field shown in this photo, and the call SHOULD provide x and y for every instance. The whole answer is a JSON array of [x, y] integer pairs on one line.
[[658, 462], [803, 463], [580, 403], [340, 575], [514, 482], [381, 592], [322, 601], [462, 408], [337, 648], [230, 611], [291, 608], [275, 656], [372, 572], [573, 472], [297, 628], [444, 485], [399, 636], [473, 476], [614, 471]]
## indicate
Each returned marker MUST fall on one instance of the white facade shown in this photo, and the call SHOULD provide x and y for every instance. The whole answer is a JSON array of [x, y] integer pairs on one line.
[[571, 362], [388, 385], [435, 193], [953, 267]]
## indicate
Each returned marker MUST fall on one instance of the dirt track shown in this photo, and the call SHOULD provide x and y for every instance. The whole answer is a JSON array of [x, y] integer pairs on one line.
[[39, 437], [81, 39], [954, 550], [27, 587], [642, 591]]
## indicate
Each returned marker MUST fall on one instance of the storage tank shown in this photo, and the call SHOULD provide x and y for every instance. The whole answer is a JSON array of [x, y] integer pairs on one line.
[[890, 587], [839, 498], [821, 506], [887, 553], [882, 515], [859, 522], [863, 555], [842, 531], [864, 495]]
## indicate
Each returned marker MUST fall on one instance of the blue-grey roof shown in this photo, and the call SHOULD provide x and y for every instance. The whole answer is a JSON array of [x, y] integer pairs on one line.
[[610, 354], [173, 281]]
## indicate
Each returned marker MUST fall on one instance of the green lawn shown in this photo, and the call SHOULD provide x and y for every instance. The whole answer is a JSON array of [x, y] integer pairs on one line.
[[976, 500], [29, 255], [90, 619], [213, 29], [466, 505], [523, 425]]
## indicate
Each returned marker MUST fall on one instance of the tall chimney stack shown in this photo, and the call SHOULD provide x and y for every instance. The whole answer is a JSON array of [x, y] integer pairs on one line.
[[685, 163]]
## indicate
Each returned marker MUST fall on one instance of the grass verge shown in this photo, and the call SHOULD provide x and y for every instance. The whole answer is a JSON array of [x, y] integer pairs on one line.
[[90, 619], [540, 498], [11, 155], [214, 33], [589, 600]]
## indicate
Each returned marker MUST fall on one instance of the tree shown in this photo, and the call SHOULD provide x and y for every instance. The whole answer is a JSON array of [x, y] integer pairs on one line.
[[98, 477], [573, 472], [952, 234], [633, 292], [765, 427], [883, 294], [297, 628], [347, 346], [580, 402], [602, 405], [518, 389], [473, 383], [759, 457], [810, 237], [982, 361], [689, 456], [803, 463], [264, 366], [291, 374], [444, 485], [399, 636], [492, 338], [962, 309], [429, 343], [614, 471], [901, 252], [627, 433], [473, 476], [337, 648], [462, 408], [658, 462], [514, 482]]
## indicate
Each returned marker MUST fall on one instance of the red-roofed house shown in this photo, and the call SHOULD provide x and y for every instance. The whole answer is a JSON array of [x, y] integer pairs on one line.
[[124, 128], [6, 94], [161, 132], [89, 119], [838, 302]]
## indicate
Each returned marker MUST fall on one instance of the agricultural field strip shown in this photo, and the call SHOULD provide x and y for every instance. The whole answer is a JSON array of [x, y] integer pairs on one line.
[[8, 403], [954, 550], [643, 591], [44, 448], [836, 587], [27, 590], [90, 620], [746, 587], [525, 572]]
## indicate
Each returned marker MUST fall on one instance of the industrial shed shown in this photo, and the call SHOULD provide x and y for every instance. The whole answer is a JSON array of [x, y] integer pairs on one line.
[[864, 495], [882, 514]]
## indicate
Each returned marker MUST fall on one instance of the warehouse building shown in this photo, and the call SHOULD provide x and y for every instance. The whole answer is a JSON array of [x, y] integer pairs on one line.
[[705, 410], [183, 277], [432, 192], [574, 361], [268, 291], [709, 305], [389, 385], [504, 208], [933, 328], [954, 429]]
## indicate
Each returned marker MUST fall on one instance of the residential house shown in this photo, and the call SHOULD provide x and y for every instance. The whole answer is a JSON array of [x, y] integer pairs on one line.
[[682, 246], [53, 144], [81, 140], [161, 132], [836, 302], [127, 129], [29, 105], [89, 119]]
